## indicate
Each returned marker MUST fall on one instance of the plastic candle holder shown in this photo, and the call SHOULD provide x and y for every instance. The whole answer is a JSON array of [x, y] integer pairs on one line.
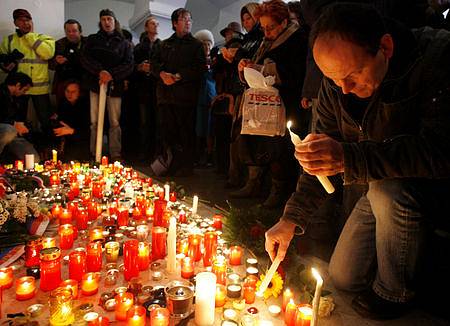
[[143, 258], [77, 265], [130, 256], [32, 250], [72, 285], [235, 255], [89, 283], [221, 294], [158, 243], [50, 268], [219, 268], [48, 243], [187, 268], [303, 315], [124, 301], [159, 317], [66, 236], [60, 307], [194, 249], [94, 257], [65, 217], [136, 316], [210, 245], [112, 251]]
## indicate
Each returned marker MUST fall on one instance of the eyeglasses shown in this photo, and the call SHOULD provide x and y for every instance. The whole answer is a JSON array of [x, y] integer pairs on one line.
[[269, 28]]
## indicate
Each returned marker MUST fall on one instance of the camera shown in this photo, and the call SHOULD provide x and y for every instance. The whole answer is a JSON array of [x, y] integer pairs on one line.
[[13, 57]]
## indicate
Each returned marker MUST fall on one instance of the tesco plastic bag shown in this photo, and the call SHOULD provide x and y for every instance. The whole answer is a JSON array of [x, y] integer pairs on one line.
[[263, 111]]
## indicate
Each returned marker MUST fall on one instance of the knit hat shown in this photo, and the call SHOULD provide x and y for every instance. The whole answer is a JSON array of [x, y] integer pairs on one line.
[[21, 13], [235, 27], [107, 12], [205, 35]]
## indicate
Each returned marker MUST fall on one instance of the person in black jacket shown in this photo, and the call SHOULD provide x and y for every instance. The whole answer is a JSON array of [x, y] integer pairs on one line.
[[66, 62], [383, 122], [108, 59], [179, 63], [12, 116], [145, 86]]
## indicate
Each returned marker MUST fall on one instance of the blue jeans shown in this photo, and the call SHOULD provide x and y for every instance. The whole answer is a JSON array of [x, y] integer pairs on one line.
[[17, 145], [383, 240], [113, 105]]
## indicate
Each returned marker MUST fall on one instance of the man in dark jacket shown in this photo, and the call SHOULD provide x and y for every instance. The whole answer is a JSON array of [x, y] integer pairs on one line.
[[66, 61], [145, 85], [383, 121], [108, 59], [179, 63], [12, 116]]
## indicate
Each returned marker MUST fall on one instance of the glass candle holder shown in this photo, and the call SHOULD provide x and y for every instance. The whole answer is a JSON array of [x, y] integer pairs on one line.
[[96, 233], [94, 257], [210, 246], [65, 217], [235, 255], [90, 283], [217, 222], [136, 316], [50, 268], [93, 210], [159, 317], [219, 268], [72, 285], [179, 296], [112, 251], [82, 219], [194, 249], [159, 237], [66, 236], [143, 258], [130, 255], [60, 307], [289, 313], [111, 277], [187, 268], [124, 301], [158, 212], [234, 291], [25, 288], [221, 294], [249, 294], [32, 250], [287, 296], [142, 232], [77, 265]]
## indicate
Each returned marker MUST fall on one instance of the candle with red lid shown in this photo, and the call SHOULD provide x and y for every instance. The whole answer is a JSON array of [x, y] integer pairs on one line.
[[50, 268], [89, 283], [159, 237], [94, 256], [235, 255], [25, 288]]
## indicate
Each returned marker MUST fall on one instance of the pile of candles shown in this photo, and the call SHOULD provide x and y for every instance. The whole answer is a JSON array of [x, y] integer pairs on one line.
[[110, 216]]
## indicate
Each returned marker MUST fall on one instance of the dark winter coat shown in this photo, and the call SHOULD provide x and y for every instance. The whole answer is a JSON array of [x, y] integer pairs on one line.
[[184, 56], [110, 52], [9, 109], [144, 82], [405, 130]]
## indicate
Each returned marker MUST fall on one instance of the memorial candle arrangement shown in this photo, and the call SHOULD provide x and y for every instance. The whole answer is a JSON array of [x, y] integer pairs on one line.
[[25, 288]]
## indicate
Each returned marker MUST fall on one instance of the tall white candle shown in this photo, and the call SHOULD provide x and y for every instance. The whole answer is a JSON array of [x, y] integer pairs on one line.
[[205, 293], [316, 300], [172, 246], [29, 161], [265, 283], [194, 205], [166, 192], [323, 180], [54, 155], [100, 122]]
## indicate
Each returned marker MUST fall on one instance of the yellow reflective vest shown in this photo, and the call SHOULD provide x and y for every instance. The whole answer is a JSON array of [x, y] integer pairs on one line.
[[37, 50]]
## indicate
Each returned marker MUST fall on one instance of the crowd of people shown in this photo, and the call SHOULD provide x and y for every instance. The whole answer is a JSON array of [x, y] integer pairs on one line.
[[365, 85]]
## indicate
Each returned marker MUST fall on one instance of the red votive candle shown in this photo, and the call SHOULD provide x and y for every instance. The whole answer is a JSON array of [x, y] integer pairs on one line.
[[303, 315], [56, 210], [210, 245], [32, 250], [96, 233], [158, 243], [94, 257], [104, 160], [159, 317], [93, 210], [82, 219], [219, 268], [89, 283], [289, 313], [158, 212], [235, 255], [217, 222], [122, 217], [99, 321], [6, 277], [77, 265], [65, 217], [143, 255], [124, 301], [187, 268], [249, 294], [50, 268], [72, 285], [66, 236], [194, 250], [136, 316], [182, 217], [130, 261], [25, 288]]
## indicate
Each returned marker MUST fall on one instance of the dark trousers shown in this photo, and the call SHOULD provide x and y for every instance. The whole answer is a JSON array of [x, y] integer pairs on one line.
[[178, 133], [147, 124]]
